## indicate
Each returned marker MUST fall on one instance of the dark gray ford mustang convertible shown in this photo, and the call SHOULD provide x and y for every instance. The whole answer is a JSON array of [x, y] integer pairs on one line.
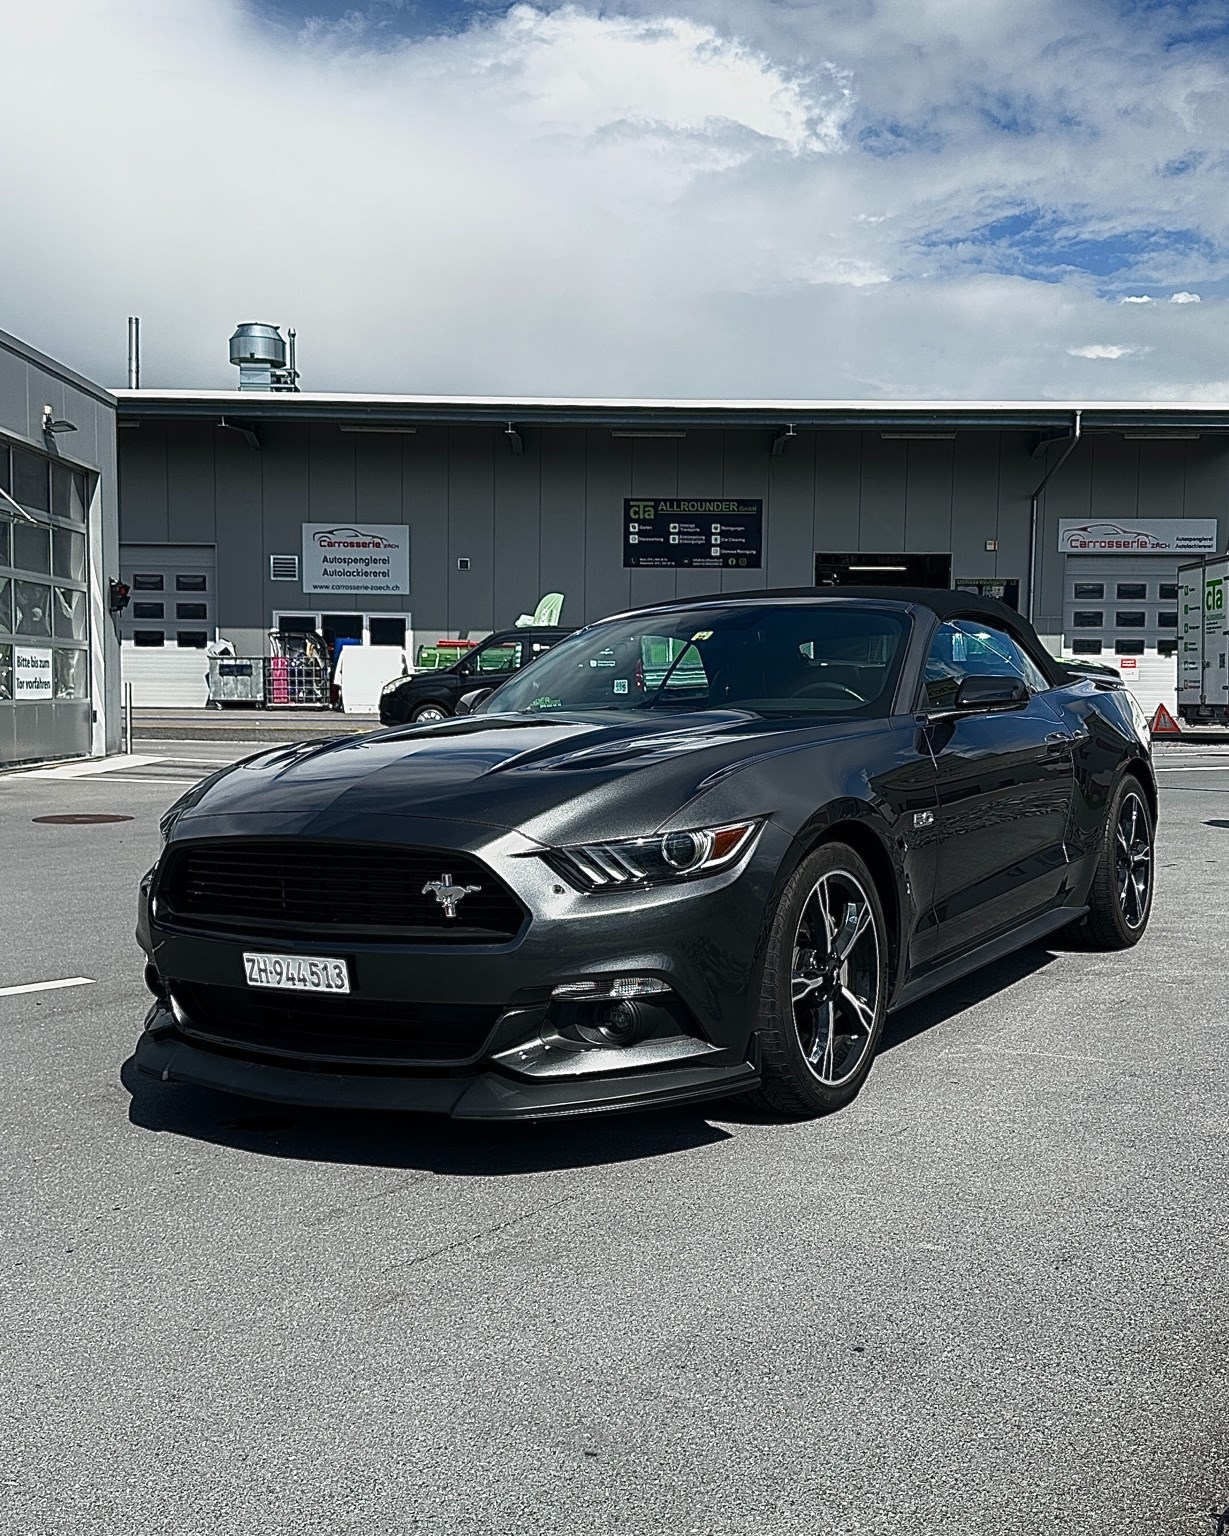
[[694, 850]]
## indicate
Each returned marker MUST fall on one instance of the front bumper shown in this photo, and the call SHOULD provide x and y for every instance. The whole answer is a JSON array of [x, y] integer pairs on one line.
[[491, 1095], [702, 940]]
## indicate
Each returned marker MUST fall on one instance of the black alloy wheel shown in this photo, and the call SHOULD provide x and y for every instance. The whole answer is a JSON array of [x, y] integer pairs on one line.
[[825, 986], [1120, 900], [427, 712]]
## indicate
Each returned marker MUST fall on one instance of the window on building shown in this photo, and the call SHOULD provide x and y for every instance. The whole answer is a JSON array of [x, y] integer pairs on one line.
[[147, 611], [1168, 620], [1131, 618], [1167, 647], [192, 639], [68, 554], [31, 480], [387, 631], [68, 614], [1089, 591], [191, 610], [1088, 618], [5, 541], [32, 547], [1169, 592], [69, 674], [6, 672], [31, 608], [191, 582], [148, 637], [6, 605], [1132, 591], [1085, 647], [1128, 647], [147, 581]]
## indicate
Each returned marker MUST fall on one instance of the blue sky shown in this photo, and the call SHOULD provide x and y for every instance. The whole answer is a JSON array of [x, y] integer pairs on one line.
[[819, 198]]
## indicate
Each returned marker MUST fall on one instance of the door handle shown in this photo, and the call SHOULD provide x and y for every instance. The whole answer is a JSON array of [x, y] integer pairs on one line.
[[1057, 742]]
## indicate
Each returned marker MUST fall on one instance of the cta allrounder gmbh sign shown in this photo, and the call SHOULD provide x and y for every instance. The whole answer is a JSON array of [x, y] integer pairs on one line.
[[370, 559]]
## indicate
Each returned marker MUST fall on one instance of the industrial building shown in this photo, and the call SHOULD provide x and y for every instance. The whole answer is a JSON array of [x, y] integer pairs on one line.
[[393, 520], [59, 551]]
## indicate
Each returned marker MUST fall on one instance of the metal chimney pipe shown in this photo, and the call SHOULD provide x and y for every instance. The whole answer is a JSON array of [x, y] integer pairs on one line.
[[134, 352], [294, 374]]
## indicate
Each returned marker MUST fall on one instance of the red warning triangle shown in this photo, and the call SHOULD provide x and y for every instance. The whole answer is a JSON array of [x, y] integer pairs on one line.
[[1163, 723]]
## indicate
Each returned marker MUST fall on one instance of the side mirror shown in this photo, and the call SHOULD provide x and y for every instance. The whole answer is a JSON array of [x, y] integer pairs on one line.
[[469, 702], [980, 692]]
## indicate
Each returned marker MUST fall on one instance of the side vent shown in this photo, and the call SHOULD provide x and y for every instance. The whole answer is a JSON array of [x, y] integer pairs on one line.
[[283, 567]]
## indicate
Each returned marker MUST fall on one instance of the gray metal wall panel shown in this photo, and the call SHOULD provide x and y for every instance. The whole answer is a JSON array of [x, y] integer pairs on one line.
[[276, 528], [191, 496], [655, 472], [14, 400], [424, 499], [86, 414], [745, 461], [563, 526], [471, 527], [143, 483], [881, 505], [838, 480], [1162, 478], [1115, 478], [377, 464], [929, 473], [789, 530], [701, 471], [1206, 482], [331, 482], [238, 477], [608, 479], [517, 528]]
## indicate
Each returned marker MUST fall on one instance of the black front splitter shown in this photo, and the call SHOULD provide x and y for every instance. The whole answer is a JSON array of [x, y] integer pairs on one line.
[[486, 1096]]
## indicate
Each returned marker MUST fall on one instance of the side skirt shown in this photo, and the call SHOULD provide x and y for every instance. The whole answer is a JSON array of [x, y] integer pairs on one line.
[[1006, 944]]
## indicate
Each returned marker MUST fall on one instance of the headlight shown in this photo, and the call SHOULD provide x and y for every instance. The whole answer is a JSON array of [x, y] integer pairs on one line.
[[652, 860], [392, 687]]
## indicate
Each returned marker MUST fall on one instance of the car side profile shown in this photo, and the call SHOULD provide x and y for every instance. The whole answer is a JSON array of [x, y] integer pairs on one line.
[[695, 850], [434, 695]]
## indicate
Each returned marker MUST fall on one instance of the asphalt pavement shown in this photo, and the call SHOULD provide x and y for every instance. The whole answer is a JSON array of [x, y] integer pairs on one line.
[[989, 1297]]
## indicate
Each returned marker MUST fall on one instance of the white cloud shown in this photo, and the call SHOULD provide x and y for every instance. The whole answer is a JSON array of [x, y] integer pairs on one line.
[[1184, 298], [728, 197], [1103, 351]]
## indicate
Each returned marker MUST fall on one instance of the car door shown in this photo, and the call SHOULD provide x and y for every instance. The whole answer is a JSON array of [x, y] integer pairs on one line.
[[1004, 781]]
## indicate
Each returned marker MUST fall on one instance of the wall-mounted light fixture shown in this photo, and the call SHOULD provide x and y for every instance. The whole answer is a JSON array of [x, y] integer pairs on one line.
[[354, 426], [53, 424], [917, 437], [620, 432], [778, 443], [515, 441]]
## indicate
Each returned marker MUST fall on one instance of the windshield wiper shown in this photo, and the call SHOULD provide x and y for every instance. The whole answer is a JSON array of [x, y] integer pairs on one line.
[[649, 703]]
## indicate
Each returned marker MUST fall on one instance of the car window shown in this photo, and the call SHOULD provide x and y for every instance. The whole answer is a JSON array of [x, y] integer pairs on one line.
[[771, 659], [498, 658], [968, 648]]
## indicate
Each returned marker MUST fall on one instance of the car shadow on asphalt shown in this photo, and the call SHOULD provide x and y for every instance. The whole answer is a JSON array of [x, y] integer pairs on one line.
[[430, 1143]]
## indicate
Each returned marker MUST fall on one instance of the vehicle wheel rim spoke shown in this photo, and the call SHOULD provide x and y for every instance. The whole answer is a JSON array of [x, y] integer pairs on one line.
[[834, 982], [1133, 861]]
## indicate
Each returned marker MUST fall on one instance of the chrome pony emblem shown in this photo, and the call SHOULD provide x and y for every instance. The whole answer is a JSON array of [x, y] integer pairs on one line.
[[448, 894]]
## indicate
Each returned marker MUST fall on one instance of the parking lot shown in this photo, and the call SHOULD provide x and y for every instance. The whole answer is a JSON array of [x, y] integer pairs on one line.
[[989, 1297]]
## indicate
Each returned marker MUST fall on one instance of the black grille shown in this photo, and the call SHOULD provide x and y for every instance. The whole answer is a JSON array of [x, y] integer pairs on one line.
[[334, 1028], [334, 890]]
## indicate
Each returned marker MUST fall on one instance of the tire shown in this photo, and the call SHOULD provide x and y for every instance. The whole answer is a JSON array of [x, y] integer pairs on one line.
[[1120, 898], [426, 712], [816, 1047]]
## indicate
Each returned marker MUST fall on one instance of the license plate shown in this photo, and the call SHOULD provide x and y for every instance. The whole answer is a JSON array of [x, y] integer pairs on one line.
[[297, 973]]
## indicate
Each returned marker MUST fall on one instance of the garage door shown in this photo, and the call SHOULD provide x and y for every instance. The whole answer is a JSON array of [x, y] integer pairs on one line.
[[1125, 612], [171, 617]]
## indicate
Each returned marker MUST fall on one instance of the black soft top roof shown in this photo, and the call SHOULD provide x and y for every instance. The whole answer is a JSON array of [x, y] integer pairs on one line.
[[943, 602]]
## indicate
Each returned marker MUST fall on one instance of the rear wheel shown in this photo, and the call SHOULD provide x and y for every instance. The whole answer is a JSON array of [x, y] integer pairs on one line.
[[1120, 900], [825, 986], [429, 712]]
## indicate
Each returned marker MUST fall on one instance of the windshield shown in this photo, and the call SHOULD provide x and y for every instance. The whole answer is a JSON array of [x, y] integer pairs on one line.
[[768, 658]]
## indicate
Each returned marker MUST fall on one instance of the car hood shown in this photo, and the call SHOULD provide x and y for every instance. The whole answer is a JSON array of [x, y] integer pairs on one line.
[[546, 776]]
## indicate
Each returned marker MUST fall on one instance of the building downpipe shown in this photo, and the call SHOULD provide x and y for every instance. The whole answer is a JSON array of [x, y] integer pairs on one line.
[[1032, 521]]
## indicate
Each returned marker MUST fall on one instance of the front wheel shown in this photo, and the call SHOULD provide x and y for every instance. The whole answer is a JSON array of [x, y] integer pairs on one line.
[[429, 712], [1120, 900], [825, 986]]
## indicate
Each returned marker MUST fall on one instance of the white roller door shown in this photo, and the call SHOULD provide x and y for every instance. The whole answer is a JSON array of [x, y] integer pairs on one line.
[[171, 617], [1124, 611]]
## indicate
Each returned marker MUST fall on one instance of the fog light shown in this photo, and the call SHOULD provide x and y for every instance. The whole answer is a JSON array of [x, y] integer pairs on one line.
[[155, 983], [615, 1024], [612, 987]]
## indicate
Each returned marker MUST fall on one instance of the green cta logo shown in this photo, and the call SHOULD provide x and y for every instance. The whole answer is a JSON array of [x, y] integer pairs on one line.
[[642, 509]]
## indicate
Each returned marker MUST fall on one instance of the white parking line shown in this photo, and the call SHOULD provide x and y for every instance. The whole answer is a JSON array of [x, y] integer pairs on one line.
[[91, 767], [48, 986], [1195, 768]]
